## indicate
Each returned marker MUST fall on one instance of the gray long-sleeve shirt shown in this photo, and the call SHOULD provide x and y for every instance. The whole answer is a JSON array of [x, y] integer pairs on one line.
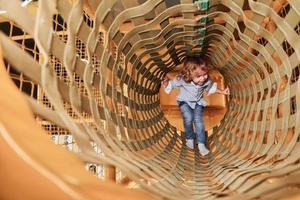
[[191, 93]]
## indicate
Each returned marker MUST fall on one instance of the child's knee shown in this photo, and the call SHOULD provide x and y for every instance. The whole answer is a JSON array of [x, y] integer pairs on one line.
[[188, 118]]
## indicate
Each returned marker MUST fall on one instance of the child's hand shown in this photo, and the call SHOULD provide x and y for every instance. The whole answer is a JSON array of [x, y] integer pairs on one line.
[[165, 81], [226, 91]]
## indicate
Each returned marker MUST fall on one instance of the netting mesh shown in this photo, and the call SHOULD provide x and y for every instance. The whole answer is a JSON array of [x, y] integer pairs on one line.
[[92, 69]]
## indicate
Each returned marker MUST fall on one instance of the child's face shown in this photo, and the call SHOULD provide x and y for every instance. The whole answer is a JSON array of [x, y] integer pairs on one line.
[[200, 76]]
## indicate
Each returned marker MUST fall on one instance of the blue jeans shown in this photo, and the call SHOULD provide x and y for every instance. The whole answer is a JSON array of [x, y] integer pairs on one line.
[[190, 117]]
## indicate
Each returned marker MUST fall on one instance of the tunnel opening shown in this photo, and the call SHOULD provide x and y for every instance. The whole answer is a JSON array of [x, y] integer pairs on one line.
[[213, 112], [92, 72]]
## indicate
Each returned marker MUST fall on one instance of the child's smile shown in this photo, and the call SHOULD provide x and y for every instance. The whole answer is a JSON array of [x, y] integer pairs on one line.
[[200, 77]]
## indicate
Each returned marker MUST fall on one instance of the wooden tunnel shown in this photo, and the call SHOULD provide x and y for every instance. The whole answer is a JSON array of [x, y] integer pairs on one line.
[[91, 70]]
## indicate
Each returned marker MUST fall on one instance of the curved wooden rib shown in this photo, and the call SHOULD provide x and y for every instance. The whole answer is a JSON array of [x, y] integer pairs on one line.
[[32, 167]]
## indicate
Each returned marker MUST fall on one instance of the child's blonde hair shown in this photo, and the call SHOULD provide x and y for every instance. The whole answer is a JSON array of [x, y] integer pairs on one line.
[[190, 65]]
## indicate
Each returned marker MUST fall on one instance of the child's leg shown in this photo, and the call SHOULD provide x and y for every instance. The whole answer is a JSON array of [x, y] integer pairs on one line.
[[188, 118], [200, 130]]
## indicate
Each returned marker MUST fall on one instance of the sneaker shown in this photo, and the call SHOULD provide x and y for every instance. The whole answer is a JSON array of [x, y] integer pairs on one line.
[[190, 143], [202, 149]]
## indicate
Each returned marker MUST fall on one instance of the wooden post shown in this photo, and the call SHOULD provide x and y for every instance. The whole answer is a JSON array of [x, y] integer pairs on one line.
[[110, 172]]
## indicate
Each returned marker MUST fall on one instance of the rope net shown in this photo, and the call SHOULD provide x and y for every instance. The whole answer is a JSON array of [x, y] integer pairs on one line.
[[92, 69]]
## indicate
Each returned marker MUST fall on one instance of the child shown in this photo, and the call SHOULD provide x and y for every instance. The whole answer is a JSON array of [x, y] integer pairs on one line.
[[192, 81]]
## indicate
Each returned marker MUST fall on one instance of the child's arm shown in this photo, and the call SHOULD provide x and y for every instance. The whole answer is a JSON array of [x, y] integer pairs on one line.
[[165, 81], [167, 85], [214, 89], [170, 84], [225, 91]]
